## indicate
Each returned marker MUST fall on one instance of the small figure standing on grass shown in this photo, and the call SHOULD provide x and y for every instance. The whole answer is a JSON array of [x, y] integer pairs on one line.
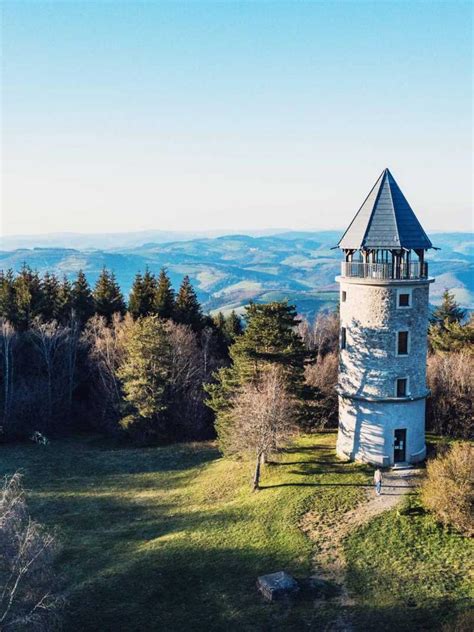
[[378, 479]]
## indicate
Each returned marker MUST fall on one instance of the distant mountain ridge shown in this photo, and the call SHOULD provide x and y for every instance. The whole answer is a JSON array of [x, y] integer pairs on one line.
[[230, 270], [106, 241]]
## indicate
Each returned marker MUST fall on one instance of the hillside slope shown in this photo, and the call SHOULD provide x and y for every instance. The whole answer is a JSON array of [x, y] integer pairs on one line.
[[172, 538], [231, 270]]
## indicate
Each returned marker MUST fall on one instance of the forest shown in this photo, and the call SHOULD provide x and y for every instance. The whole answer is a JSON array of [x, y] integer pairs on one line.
[[155, 368]]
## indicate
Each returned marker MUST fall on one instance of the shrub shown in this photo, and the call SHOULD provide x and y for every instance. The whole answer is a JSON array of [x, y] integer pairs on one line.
[[451, 380], [448, 490], [28, 600]]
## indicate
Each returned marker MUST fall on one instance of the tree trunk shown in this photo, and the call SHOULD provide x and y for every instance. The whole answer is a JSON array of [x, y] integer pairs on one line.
[[256, 476]]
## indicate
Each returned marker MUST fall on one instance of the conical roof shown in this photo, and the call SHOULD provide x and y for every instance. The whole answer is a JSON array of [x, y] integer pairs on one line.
[[385, 220]]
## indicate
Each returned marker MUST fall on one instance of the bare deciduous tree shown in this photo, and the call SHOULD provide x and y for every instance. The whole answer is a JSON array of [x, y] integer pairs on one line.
[[106, 350], [28, 600], [262, 416], [322, 377], [187, 373], [322, 336], [451, 380], [70, 359], [48, 338]]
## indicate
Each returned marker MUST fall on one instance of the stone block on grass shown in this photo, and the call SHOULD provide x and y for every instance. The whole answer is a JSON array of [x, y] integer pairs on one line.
[[277, 585]]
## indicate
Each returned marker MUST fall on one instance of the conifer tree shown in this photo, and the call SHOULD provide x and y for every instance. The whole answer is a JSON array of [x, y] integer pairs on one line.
[[221, 339], [164, 296], [228, 328], [65, 301], [233, 326], [188, 309], [135, 298], [449, 311], [219, 321], [452, 336], [142, 296], [269, 340], [107, 296], [8, 306], [144, 375], [50, 300], [150, 287], [28, 296], [82, 301]]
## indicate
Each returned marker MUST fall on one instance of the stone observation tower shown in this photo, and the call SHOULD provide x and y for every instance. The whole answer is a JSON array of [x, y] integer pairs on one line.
[[384, 288]]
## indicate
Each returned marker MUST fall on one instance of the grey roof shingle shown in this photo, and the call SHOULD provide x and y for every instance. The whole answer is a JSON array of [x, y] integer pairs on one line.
[[385, 220]]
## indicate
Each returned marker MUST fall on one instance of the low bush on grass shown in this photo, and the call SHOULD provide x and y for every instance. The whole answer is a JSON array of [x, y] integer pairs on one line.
[[448, 491]]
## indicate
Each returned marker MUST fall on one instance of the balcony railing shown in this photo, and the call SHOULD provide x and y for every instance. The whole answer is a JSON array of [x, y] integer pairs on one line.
[[403, 271]]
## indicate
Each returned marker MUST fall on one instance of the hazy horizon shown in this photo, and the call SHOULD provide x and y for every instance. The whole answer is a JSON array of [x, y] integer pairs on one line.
[[249, 232], [232, 117]]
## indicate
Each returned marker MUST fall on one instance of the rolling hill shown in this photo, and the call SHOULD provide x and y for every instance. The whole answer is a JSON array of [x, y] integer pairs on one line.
[[229, 271]]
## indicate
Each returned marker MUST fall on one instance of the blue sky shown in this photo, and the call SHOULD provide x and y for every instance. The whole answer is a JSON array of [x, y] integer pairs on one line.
[[126, 116]]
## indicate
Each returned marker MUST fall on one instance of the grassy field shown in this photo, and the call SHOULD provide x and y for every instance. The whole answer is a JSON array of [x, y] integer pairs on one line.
[[410, 570], [171, 538]]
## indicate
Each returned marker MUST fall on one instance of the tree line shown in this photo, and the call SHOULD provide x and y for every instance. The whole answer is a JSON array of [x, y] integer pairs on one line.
[[75, 357], [65, 348], [27, 296], [157, 368]]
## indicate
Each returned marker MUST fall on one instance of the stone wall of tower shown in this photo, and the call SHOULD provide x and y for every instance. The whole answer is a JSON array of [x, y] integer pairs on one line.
[[366, 430], [370, 365], [369, 411]]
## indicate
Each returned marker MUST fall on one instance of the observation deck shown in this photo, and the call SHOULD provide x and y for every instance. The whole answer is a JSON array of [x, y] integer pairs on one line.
[[401, 271]]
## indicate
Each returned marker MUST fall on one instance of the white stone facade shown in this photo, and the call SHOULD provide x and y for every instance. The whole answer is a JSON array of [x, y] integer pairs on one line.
[[369, 409]]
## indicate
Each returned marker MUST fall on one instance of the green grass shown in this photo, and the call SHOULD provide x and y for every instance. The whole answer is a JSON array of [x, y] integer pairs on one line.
[[171, 538], [404, 565]]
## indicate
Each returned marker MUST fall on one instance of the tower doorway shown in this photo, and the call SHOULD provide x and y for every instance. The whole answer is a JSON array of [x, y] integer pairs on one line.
[[399, 446]]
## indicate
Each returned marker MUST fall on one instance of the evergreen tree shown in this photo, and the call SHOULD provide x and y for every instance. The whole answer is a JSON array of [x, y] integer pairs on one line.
[[164, 296], [269, 340], [227, 329], [65, 311], [117, 298], [28, 296], [188, 309], [50, 299], [221, 340], [8, 306], [448, 311], [233, 326], [135, 298], [107, 296], [144, 374], [142, 295], [82, 301], [150, 287], [219, 321], [452, 336]]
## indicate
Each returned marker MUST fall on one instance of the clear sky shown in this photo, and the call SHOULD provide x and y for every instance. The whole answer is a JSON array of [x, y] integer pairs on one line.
[[121, 116]]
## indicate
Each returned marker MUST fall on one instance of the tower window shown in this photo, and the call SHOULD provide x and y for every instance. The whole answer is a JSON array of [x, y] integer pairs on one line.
[[402, 343], [404, 298], [343, 337], [402, 387], [343, 296]]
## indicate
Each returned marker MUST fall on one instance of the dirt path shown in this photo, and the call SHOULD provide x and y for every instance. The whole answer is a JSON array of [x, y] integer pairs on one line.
[[329, 560]]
